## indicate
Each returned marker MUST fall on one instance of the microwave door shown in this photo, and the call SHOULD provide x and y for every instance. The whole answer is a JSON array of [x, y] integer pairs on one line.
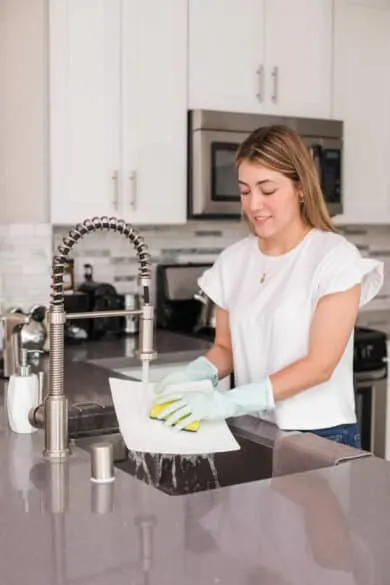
[[214, 188], [224, 184], [327, 158]]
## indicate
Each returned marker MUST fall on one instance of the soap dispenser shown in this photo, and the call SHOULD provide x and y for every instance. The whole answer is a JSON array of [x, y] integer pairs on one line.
[[22, 395]]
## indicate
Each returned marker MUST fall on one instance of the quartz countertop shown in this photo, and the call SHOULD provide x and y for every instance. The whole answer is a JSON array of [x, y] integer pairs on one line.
[[326, 526]]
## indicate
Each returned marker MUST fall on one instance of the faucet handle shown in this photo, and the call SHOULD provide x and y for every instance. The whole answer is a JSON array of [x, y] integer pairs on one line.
[[201, 296]]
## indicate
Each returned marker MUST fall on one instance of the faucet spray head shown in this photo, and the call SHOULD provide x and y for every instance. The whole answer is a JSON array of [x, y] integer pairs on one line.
[[146, 351]]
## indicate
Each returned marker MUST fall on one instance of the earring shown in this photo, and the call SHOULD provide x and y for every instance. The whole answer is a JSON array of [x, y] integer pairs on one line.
[[301, 199]]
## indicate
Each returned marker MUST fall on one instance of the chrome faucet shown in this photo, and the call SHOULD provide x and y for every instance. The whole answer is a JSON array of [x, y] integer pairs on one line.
[[52, 415]]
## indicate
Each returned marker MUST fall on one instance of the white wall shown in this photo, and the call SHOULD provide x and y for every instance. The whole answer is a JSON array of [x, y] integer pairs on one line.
[[23, 112]]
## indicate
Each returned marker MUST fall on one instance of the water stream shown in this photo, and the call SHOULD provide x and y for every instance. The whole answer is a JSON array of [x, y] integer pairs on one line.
[[145, 374], [173, 473]]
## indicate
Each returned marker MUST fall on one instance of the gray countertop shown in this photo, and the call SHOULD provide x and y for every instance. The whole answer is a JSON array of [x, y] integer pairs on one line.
[[326, 526]]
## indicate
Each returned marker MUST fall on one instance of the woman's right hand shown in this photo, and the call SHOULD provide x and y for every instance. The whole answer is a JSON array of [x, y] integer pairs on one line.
[[197, 370]]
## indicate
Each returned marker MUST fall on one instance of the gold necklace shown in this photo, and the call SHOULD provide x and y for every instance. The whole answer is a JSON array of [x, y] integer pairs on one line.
[[265, 272], [271, 266]]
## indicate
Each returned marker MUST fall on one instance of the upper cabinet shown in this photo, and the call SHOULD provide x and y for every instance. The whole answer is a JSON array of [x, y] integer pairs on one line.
[[362, 100], [85, 108], [298, 49], [118, 102], [226, 60], [261, 56]]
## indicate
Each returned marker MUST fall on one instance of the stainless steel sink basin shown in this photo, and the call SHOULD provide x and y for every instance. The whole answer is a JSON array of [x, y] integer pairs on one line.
[[178, 475], [264, 453]]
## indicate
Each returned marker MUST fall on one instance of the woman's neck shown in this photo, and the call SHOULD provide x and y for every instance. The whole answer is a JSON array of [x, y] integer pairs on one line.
[[285, 241]]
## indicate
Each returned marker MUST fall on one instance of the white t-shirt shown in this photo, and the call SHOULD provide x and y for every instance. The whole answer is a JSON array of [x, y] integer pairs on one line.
[[270, 321]]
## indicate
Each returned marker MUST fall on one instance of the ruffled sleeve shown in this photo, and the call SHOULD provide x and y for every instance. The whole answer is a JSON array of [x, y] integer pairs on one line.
[[343, 268], [211, 282]]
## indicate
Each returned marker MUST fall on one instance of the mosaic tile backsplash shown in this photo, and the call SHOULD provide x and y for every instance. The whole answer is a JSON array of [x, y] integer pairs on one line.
[[25, 255], [25, 258]]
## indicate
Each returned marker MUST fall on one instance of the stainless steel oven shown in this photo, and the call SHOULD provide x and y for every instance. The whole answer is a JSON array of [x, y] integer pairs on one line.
[[370, 382], [213, 141], [371, 405]]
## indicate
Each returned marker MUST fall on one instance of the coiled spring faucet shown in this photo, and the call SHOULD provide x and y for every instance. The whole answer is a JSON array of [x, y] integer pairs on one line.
[[53, 413]]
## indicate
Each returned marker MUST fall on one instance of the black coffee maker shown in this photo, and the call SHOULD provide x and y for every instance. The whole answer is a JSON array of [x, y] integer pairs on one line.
[[177, 307], [101, 297]]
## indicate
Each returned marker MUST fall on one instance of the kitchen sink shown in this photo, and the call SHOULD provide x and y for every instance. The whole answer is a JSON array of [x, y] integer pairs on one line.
[[179, 475], [173, 474], [256, 459]]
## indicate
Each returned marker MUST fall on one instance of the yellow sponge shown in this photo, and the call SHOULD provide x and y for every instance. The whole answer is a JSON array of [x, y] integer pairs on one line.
[[157, 408]]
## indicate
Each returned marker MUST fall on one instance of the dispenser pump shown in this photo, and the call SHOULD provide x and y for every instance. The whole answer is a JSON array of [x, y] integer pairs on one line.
[[24, 368]]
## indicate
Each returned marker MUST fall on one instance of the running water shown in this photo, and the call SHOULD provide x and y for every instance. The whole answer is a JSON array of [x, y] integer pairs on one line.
[[181, 473], [145, 374], [177, 473]]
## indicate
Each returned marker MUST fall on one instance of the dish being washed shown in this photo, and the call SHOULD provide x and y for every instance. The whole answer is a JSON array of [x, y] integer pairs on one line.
[[133, 402]]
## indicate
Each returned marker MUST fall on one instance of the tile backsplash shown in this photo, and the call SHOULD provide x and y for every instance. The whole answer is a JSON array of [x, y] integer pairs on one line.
[[25, 259], [26, 250]]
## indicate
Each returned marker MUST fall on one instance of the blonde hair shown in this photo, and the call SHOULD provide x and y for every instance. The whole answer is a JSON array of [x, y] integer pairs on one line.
[[281, 149]]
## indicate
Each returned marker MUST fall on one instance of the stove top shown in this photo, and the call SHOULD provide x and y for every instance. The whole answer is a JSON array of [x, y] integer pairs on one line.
[[370, 350]]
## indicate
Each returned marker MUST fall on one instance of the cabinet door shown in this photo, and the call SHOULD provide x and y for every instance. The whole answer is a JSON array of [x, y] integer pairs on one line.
[[298, 50], [362, 100], [84, 108], [226, 60], [154, 113]]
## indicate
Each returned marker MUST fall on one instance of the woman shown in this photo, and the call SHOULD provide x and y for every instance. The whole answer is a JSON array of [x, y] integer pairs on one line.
[[287, 300]]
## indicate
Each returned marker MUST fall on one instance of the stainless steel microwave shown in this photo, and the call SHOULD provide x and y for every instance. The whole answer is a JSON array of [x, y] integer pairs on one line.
[[213, 141]]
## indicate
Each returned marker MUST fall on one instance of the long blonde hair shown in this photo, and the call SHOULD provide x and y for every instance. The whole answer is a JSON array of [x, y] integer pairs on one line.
[[281, 149]]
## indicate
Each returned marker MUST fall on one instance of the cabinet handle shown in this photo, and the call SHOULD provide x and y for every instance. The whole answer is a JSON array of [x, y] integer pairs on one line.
[[275, 79], [133, 190], [115, 200], [260, 81]]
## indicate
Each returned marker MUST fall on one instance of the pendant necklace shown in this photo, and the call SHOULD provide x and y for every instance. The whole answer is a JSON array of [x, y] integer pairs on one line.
[[263, 277], [264, 274], [277, 261], [270, 267]]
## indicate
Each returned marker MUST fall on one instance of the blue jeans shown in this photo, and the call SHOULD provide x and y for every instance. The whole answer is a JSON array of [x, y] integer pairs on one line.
[[347, 434]]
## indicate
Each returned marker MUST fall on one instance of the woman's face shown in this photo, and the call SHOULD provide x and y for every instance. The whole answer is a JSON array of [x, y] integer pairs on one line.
[[270, 201]]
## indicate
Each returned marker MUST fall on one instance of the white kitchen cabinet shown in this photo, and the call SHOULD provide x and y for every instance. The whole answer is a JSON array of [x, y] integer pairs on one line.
[[84, 108], [261, 56], [298, 49], [226, 60], [118, 100], [154, 111], [362, 100]]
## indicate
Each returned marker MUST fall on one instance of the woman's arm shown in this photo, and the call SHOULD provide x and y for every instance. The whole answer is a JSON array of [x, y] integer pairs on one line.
[[332, 325], [220, 355]]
